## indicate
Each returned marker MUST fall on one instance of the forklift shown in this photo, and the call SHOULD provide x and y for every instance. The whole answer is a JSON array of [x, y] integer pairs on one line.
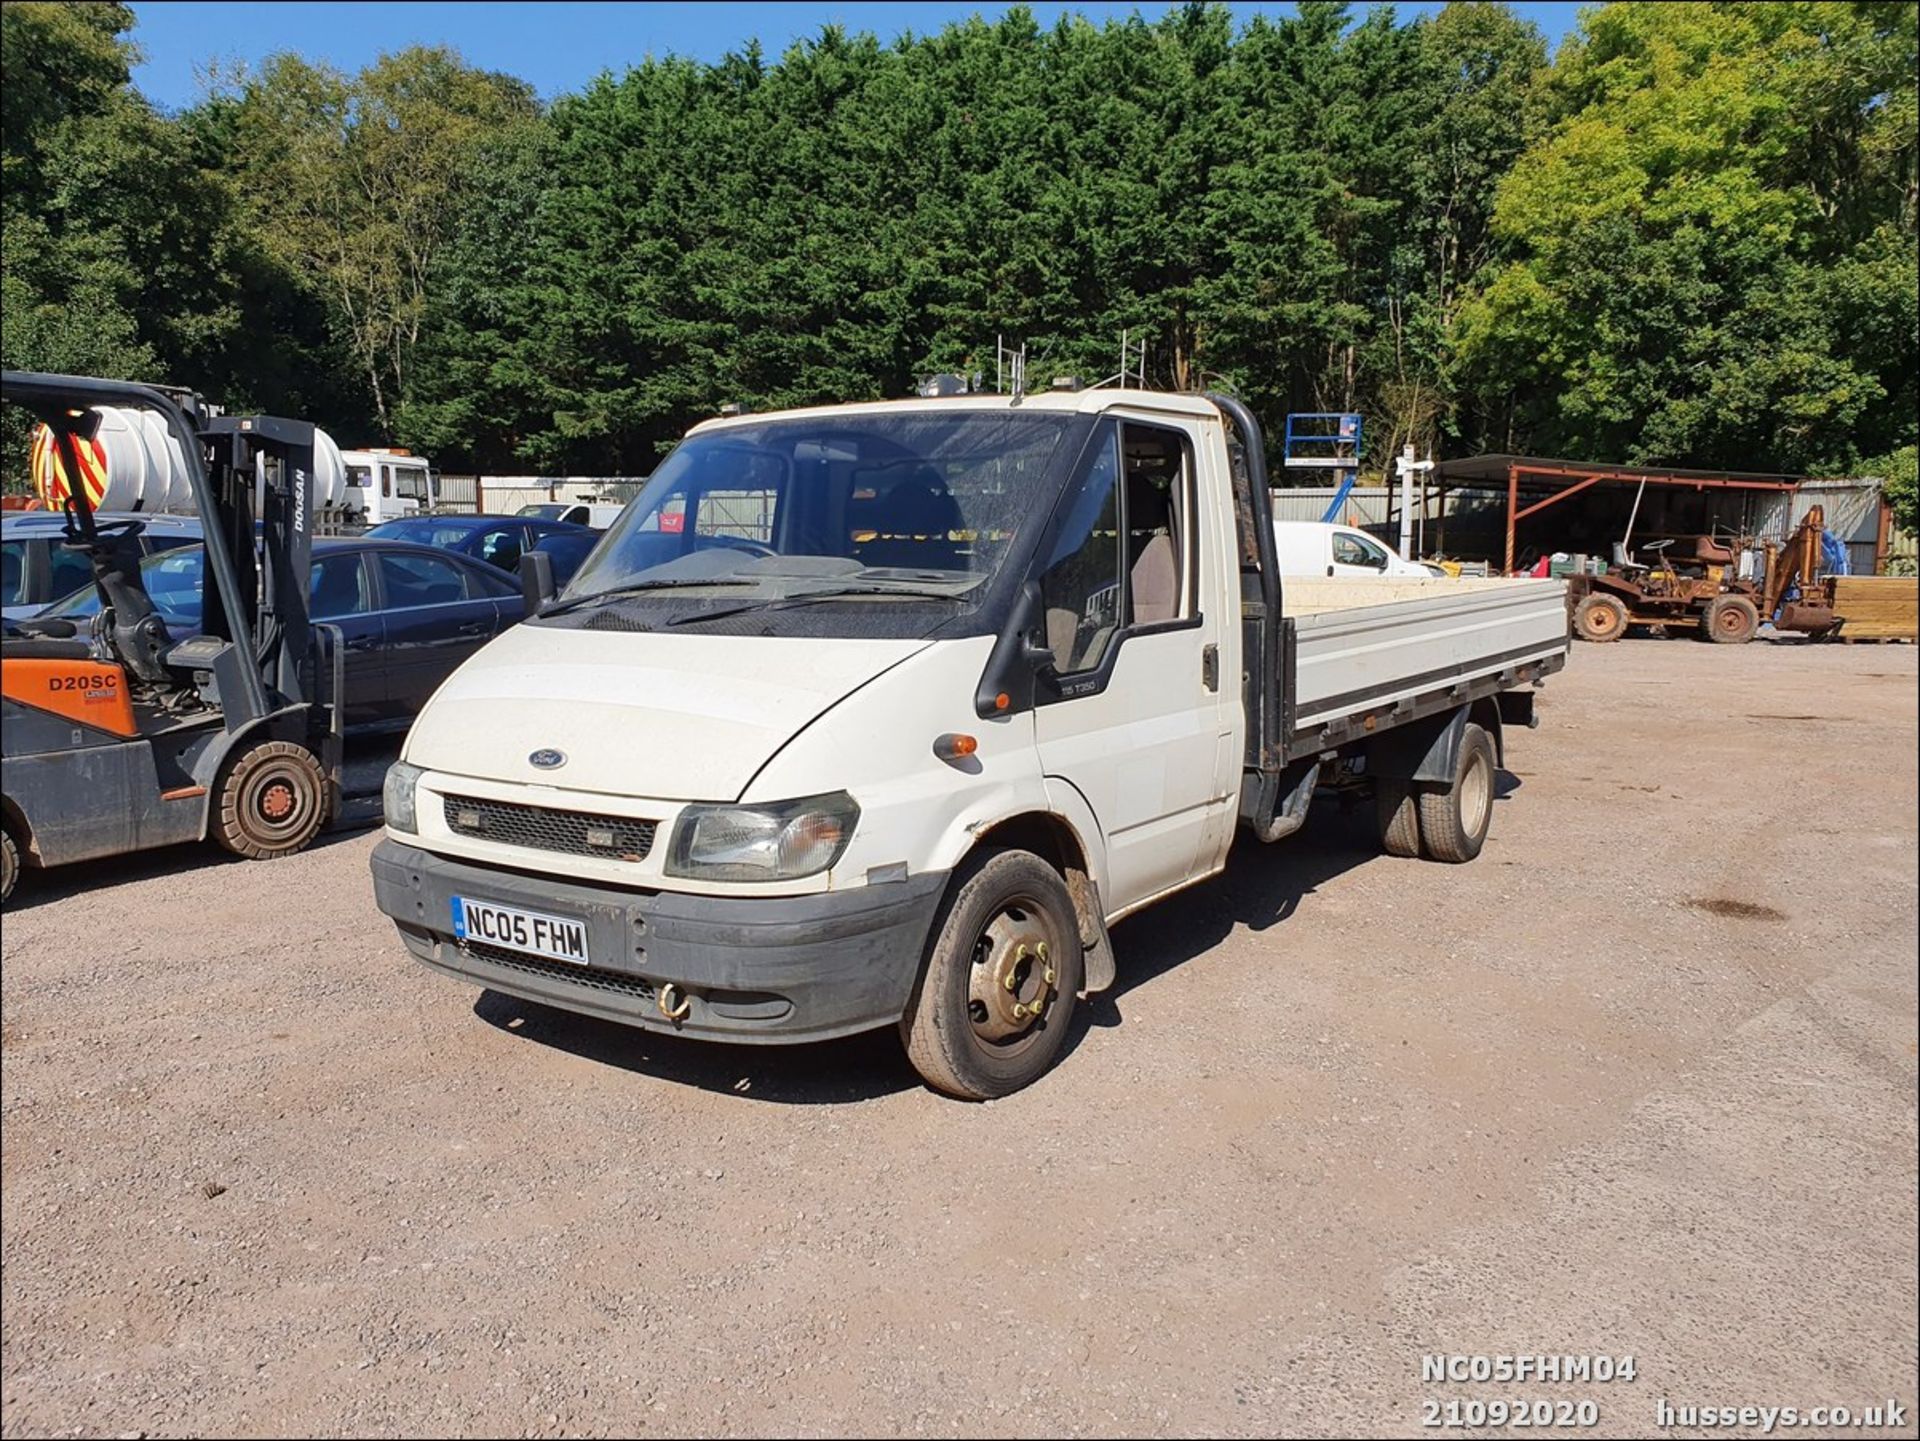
[[121, 736]]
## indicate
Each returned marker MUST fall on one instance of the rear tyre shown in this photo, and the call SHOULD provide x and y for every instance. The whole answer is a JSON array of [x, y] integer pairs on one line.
[[1454, 821], [1600, 618], [1002, 976], [1730, 620], [271, 801], [9, 865], [1399, 816]]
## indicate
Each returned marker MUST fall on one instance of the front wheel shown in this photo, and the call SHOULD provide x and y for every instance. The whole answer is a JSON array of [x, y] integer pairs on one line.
[[1002, 976], [1454, 821], [270, 802], [9, 865]]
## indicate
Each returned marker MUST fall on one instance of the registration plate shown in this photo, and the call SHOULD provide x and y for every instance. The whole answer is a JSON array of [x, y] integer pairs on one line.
[[554, 937]]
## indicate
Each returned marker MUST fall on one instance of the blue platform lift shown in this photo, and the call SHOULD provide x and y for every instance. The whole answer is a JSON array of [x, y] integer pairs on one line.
[[1325, 440]]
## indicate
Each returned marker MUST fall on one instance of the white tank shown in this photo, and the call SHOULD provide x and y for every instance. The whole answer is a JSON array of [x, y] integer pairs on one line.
[[163, 475], [329, 471], [135, 464], [114, 467]]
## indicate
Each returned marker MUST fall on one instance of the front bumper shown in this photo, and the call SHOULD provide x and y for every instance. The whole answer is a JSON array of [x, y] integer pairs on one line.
[[774, 969]]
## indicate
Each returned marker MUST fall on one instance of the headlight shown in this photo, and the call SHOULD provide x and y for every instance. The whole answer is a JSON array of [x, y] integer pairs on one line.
[[762, 843], [396, 796]]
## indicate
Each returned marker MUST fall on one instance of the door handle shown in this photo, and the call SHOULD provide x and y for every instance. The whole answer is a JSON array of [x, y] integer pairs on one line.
[[363, 642], [475, 627], [1210, 667]]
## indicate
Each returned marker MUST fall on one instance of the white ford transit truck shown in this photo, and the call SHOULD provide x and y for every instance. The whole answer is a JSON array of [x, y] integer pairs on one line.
[[881, 714]]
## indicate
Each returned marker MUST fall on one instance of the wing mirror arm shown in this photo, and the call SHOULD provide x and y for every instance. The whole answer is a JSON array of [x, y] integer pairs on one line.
[[1014, 666], [536, 580]]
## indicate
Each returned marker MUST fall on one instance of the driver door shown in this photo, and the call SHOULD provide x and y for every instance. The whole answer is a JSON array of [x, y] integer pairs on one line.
[[1132, 711], [1357, 553]]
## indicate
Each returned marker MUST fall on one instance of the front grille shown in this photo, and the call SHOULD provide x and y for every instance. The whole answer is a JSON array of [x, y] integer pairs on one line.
[[578, 833], [591, 977]]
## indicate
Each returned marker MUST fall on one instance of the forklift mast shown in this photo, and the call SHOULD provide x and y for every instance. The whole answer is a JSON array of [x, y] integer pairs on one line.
[[264, 464]]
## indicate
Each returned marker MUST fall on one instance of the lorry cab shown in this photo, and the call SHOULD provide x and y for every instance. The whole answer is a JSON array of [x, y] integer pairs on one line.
[[384, 484], [1307, 547], [880, 714]]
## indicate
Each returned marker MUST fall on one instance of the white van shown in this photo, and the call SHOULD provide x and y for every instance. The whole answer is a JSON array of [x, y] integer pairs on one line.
[[1307, 547], [881, 714], [594, 514]]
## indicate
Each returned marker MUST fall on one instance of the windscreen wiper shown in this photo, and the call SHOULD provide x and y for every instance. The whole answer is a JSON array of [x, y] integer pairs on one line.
[[809, 597], [637, 587]]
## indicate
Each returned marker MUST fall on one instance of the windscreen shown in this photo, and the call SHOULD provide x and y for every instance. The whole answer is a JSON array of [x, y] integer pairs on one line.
[[929, 499], [423, 530]]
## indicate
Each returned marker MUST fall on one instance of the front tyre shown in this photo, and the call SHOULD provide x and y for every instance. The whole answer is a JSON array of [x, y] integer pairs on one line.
[[1002, 976], [9, 865], [271, 801]]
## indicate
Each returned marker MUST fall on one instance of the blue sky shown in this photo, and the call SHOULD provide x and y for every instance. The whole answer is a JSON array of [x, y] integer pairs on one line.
[[558, 46]]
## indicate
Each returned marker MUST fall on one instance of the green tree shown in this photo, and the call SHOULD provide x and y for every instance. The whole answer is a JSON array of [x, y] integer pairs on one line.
[[120, 249], [1713, 245], [355, 184]]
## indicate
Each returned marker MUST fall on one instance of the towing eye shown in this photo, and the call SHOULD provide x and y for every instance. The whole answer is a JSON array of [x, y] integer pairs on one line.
[[673, 1003]]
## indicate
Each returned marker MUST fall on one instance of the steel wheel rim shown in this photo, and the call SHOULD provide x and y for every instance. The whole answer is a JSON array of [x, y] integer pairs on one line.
[[1013, 977], [276, 804], [1476, 793]]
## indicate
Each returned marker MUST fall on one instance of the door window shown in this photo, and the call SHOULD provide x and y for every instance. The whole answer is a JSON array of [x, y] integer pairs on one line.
[[69, 569], [501, 547], [13, 573], [1157, 510], [338, 587], [1350, 548], [414, 580], [1080, 586]]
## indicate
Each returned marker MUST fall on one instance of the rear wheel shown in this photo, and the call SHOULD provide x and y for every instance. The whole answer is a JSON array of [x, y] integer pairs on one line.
[[1002, 976], [270, 802], [1454, 821], [1399, 816], [1600, 618], [9, 865], [1730, 620]]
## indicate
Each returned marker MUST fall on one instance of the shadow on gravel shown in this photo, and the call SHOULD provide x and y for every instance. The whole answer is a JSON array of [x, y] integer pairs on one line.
[[859, 1068], [1261, 888]]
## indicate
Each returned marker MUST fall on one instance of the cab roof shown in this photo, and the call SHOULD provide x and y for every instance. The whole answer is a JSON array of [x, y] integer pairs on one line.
[[1056, 402]]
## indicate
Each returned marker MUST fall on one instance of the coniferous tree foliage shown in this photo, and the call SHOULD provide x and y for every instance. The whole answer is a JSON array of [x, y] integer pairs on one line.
[[1687, 238]]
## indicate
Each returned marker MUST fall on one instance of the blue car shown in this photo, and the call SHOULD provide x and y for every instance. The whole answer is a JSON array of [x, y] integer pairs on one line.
[[37, 566], [499, 540], [408, 615]]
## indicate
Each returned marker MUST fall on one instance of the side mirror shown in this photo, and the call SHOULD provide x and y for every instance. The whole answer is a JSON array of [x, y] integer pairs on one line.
[[536, 580], [1007, 685]]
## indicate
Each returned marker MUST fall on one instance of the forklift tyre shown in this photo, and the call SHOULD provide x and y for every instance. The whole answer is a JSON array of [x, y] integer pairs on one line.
[[1600, 618], [1731, 620], [1399, 816], [271, 802], [9, 865], [1454, 820]]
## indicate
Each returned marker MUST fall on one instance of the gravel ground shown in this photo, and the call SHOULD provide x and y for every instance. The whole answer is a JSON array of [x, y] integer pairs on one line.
[[1639, 1081]]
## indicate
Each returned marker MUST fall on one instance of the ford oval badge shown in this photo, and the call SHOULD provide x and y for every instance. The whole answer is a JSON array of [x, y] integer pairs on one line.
[[547, 760]]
